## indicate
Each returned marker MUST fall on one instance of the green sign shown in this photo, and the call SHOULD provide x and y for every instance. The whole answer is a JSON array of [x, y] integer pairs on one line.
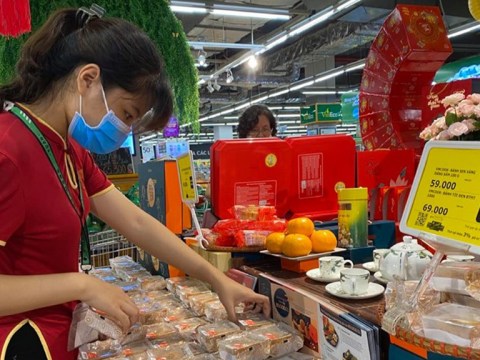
[[349, 102], [329, 112], [307, 114]]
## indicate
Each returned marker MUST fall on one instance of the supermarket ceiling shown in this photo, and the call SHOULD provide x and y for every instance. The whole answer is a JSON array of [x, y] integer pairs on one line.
[[290, 40]]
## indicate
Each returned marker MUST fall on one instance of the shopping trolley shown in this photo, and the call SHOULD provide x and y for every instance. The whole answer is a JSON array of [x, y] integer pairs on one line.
[[108, 244]]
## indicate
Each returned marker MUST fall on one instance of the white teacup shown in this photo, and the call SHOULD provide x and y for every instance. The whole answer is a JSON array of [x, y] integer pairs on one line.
[[330, 266], [460, 258], [378, 254], [354, 281]]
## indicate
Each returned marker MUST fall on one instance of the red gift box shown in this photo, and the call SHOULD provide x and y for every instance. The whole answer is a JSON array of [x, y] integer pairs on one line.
[[378, 65], [373, 84], [382, 169], [372, 103], [371, 122], [386, 46]]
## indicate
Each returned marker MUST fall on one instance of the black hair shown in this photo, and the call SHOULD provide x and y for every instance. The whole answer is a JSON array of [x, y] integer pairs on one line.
[[127, 58], [249, 119]]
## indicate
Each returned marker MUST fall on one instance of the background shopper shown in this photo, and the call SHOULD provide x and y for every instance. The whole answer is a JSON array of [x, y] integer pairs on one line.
[[257, 122]]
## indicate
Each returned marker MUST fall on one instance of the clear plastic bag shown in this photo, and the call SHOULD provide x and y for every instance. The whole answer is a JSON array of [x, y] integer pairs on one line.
[[243, 347]]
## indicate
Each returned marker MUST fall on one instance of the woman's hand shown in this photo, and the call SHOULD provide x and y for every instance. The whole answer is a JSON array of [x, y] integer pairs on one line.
[[232, 293], [110, 300]]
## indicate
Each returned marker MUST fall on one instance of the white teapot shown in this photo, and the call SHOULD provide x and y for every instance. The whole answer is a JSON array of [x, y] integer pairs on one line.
[[406, 260]]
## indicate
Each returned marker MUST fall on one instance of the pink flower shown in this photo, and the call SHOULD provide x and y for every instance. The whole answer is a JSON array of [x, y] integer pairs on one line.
[[440, 124], [475, 98], [444, 135], [476, 111], [428, 133], [457, 129], [452, 100], [466, 110], [470, 123]]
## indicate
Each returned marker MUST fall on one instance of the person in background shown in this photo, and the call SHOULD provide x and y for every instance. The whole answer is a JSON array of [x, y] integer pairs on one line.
[[82, 83], [257, 122]]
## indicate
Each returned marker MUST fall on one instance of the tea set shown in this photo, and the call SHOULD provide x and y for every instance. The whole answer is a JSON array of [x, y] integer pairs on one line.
[[406, 260]]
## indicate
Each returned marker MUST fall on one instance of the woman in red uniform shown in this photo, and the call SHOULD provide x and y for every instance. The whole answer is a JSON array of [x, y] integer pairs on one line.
[[82, 83]]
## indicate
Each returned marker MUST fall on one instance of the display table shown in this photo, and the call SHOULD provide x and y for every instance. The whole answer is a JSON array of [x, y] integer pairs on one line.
[[305, 304], [369, 309]]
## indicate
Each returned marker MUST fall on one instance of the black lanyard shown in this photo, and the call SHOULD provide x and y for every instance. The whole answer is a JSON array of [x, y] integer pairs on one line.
[[86, 262]]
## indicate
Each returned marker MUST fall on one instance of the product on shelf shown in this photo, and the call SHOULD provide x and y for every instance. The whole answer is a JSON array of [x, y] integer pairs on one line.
[[249, 321], [210, 334], [152, 283], [281, 339], [187, 327], [198, 302], [242, 347], [185, 292], [158, 330], [214, 310], [99, 350], [172, 353], [178, 314], [134, 348], [168, 341]]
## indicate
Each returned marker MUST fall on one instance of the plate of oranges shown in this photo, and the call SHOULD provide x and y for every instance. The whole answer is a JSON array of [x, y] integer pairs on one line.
[[301, 241]]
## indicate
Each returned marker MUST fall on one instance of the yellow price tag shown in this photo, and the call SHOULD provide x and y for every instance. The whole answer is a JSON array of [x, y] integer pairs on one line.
[[446, 200], [186, 176]]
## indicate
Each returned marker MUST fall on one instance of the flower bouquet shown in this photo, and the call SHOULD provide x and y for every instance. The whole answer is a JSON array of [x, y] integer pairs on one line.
[[460, 122]]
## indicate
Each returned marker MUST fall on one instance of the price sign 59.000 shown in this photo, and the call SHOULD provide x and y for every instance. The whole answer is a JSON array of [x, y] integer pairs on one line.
[[447, 197]]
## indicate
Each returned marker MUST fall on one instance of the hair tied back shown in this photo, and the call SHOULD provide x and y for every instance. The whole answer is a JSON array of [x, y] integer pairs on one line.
[[84, 15]]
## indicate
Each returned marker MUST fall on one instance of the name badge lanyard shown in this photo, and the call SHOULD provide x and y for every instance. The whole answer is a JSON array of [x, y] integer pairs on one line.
[[86, 263]]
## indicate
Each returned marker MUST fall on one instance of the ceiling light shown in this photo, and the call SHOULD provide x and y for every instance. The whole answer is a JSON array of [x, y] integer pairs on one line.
[[202, 58], [229, 79], [314, 20], [230, 117], [276, 42], [188, 9], [464, 29], [223, 45], [216, 86], [252, 62], [243, 106], [300, 86], [278, 93], [329, 76], [288, 115], [263, 98], [210, 87], [250, 14], [323, 92], [355, 66]]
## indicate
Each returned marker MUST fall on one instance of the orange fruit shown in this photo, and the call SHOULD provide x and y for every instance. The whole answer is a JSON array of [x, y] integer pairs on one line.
[[296, 245], [323, 240], [301, 225], [274, 242]]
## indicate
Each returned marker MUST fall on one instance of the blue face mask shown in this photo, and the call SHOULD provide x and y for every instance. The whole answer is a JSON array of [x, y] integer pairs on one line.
[[104, 138]]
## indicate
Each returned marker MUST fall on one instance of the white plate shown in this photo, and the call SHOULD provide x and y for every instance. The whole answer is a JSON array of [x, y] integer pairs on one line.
[[378, 276], [335, 289], [370, 266], [306, 257], [314, 274]]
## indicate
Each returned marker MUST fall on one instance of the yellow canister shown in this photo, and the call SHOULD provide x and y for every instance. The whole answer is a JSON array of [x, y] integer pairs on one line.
[[353, 217]]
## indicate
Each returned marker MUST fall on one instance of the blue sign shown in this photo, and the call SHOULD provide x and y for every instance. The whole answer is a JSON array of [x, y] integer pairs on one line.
[[280, 301]]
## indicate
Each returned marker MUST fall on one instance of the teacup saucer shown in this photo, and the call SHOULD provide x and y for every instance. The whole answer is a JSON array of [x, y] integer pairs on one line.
[[314, 274], [370, 266], [335, 289], [378, 276]]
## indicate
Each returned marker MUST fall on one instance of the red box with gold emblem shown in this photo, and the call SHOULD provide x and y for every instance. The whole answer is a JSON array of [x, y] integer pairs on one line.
[[250, 172], [373, 103], [320, 164]]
